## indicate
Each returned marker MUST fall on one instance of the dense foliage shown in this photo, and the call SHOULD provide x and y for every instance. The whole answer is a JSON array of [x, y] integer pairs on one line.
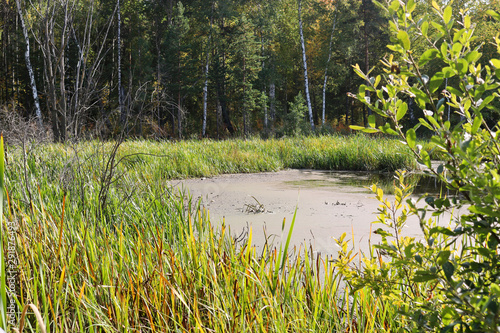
[[449, 280], [187, 69]]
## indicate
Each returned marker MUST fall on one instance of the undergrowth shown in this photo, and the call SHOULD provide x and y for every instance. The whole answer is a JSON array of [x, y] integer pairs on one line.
[[104, 245]]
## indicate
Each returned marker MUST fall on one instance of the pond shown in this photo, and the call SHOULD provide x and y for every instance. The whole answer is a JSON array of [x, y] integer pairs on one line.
[[327, 204]]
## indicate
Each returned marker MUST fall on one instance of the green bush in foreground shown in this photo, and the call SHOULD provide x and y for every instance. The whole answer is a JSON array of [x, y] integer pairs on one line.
[[450, 279]]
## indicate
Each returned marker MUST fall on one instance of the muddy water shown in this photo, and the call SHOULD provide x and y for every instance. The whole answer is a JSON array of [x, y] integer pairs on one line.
[[327, 204]]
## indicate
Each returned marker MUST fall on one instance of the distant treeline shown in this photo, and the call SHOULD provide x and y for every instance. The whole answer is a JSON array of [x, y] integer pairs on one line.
[[212, 68]]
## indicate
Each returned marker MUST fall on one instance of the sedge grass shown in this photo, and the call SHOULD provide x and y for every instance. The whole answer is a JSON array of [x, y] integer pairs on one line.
[[151, 260]]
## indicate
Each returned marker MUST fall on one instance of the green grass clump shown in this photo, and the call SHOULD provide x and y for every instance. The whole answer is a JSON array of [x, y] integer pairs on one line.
[[207, 157], [104, 245]]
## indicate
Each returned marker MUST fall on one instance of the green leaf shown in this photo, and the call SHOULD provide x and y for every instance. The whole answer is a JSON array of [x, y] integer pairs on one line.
[[438, 27], [456, 48], [441, 230], [371, 120], [428, 55], [440, 102], [462, 66], [436, 82], [448, 270], [410, 6], [356, 128], [495, 63], [455, 91], [478, 120], [358, 71], [467, 22], [494, 14], [488, 211], [411, 138], [402, 109], [382, 232], [425, 123], [387, 129], [404, 39], [408, 252], [440, 169], [447, 14], [423, 276], [370, 130], [457, 35], [444, 49], [426, 159], [443, 257], [449, 72], [486, 102], [424, 28], [394, 5], [472, 57]]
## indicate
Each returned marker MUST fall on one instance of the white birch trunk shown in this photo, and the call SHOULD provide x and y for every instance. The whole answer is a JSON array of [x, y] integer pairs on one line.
[[304, 60], [205, 85], [326, 70], [205, 95], [38, 112], [120, 93]]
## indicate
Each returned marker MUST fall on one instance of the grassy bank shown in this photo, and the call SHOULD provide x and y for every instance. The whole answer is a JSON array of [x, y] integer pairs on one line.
[[167, 160], [105, 246]]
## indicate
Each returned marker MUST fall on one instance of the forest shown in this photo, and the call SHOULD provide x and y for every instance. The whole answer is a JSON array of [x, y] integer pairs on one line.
[[75, 69]]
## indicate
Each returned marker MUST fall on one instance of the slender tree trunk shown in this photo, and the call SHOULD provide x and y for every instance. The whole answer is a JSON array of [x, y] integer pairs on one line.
[[123, 115], [265, 86], [76, 106], [326, 70], [49, 72], [38, 111], [205, 97], [205, 85], [304, 60], [179, 114], [347, 100], [367, 53], [219, 118], [245, 125], [272, 102], [63, 100]]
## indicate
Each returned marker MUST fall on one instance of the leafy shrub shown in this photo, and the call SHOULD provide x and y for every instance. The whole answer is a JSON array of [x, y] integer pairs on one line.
[[449, 279]]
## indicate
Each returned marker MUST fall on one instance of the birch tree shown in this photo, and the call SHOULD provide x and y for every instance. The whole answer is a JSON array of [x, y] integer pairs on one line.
[[38, 111], [205, 84], [304, 61]]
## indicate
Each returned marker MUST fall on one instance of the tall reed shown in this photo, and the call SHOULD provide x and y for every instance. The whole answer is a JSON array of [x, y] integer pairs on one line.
[[149, 260]]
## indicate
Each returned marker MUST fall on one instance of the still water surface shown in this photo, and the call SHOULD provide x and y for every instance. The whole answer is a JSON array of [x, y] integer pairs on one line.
[[327, 204]]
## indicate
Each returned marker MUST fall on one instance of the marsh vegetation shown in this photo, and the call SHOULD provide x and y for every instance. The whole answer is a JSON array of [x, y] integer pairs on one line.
[[105, 245]]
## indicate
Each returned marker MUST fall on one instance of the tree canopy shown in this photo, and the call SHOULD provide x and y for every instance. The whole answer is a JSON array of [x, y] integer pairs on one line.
[[194, 68]]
